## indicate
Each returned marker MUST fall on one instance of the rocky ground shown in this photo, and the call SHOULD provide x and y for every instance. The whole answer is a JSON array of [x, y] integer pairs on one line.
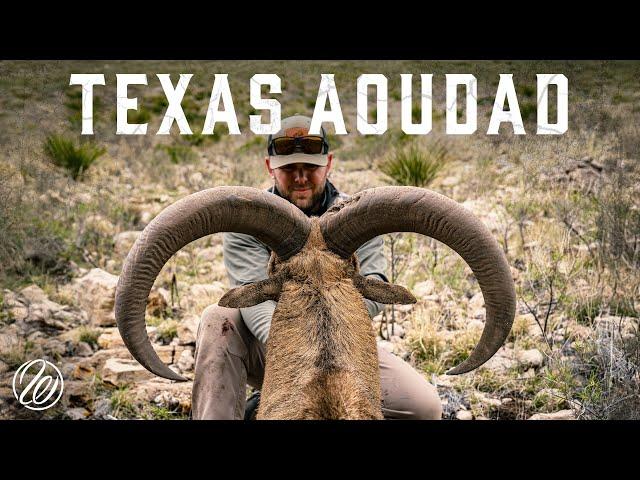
[[103, 381]]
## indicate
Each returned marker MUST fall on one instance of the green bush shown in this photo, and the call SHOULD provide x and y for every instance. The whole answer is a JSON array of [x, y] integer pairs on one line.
[[180, 153], [527, 110], [89, 335], [122, 403], [414, 166], [75, 159], [167, 330], [138, 116]]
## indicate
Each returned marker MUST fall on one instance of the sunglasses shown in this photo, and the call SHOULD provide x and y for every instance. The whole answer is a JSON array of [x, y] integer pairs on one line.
[[311, 145]]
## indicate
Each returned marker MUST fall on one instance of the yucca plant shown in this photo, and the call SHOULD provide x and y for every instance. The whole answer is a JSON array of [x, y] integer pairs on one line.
[[75, 159], [414, 166]]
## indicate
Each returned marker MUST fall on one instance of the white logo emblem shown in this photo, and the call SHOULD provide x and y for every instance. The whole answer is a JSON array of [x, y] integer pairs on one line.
[[39, 392]]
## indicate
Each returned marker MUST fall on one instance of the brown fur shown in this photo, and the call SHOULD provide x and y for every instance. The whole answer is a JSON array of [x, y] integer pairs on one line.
[[322, 359]]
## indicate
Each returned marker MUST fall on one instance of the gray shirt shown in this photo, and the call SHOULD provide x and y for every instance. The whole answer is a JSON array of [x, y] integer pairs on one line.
[[246, 259]]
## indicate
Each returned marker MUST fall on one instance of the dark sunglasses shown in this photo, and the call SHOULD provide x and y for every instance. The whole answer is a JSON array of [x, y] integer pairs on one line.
[[311, 145]]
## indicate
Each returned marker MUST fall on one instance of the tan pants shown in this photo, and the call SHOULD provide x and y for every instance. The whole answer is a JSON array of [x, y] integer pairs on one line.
[[228, 356]]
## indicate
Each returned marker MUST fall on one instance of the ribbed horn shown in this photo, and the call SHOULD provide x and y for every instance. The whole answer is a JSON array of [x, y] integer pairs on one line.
[[377, 211], [269, 218]]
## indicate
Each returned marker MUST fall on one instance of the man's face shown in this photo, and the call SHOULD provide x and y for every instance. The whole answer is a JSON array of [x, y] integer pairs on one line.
[[301, 183]]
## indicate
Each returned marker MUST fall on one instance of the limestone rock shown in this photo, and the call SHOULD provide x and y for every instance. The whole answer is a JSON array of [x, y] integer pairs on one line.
[[501, 363], [41, 312], [165, 352], [559, 415], [77, 413], [17, 309], [55, 347], [186, 361], [83, 349], [110, 338], [485, 400], [95, 294], [532, 358], [120, 371], [83, 371], [164, 393], [464, 415], [8, 340], [99, 358], [34, 294], [77, 392], [102, 409]]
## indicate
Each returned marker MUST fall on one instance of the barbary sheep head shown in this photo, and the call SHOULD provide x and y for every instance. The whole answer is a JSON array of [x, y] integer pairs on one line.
[[312, 252]]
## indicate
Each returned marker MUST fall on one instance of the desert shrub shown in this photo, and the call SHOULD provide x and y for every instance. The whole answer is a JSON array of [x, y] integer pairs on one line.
[[19, 354], [414, 166], [158, 104], [528, 110], [167, 330], [154, 412], [76, 159], [179, 153], [89, 335], [256, 143], [609, 363], [122, 403], [138, 116]]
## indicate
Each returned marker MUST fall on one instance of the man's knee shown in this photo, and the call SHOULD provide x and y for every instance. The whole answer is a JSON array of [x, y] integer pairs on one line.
[[426, 404], [221, 325], [406, 393]]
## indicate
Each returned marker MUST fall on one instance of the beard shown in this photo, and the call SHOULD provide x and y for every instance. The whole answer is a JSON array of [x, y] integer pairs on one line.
[[307, 200]]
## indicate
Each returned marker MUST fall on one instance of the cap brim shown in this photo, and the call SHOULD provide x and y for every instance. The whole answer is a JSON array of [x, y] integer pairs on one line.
[[278, 161]]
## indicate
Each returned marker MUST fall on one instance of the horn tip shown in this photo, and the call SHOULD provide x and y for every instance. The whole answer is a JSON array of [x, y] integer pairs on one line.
[[178, 378], [166, 372], [462, 368]]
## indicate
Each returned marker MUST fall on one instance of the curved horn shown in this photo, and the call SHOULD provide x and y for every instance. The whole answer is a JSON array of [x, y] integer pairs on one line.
[[377, 211], [271, 219]]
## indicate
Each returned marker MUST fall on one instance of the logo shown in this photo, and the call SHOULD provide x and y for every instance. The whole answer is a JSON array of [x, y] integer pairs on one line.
[[39, 393]]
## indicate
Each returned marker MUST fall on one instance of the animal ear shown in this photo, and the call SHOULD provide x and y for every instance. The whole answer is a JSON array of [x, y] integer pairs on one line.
[[382, 292], [253, 294]]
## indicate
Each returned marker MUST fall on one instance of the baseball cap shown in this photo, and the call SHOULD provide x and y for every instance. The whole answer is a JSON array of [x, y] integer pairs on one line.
[[286, 126]]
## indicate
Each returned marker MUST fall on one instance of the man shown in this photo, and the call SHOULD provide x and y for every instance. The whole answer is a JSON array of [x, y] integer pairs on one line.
[[230, 345]]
